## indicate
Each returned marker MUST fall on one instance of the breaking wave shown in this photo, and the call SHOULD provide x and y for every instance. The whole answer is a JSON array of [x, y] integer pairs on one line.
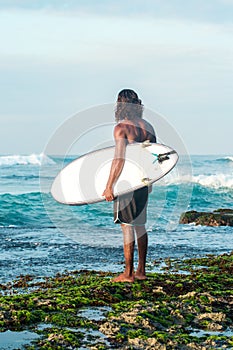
[[228, 159], [33, 159], [216, 181]]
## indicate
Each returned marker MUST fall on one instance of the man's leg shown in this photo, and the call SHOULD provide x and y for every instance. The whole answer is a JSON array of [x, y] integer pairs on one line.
[[142, 240], [129, 242]]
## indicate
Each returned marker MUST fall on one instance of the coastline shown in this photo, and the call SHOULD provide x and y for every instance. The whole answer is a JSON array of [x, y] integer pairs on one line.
[[184, 304], [188, 306]]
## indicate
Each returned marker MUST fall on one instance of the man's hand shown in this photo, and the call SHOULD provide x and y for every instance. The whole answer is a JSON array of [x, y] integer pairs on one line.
[[108, 194]]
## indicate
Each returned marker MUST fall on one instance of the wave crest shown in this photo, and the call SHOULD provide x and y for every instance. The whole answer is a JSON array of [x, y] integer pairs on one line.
[[32, 159], [228, 159], [216, 181]]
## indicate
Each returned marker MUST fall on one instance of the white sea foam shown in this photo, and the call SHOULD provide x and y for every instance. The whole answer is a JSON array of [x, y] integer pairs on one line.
[[226, 159], [32, 159], [229, 159], [216, 181]]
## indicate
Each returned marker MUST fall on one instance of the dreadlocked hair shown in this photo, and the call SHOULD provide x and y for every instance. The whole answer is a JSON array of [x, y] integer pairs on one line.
[[129, 106]]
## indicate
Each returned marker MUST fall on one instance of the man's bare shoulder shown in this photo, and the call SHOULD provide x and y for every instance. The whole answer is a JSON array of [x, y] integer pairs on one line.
[[120, 130]]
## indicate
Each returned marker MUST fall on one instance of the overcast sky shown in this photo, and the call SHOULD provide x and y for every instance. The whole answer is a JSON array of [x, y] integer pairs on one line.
[[61, 57]]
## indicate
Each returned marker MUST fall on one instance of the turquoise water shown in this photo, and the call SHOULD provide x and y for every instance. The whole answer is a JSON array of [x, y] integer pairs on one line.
[[39, 236]]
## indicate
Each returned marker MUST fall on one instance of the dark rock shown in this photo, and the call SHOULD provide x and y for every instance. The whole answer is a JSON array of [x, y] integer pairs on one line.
[[219, 217]]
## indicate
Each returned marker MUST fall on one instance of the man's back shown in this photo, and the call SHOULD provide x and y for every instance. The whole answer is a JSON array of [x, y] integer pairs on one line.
[[137, 130]]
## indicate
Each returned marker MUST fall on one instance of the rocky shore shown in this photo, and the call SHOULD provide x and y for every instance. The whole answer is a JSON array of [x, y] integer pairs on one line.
[[219, 217], [189, 305]]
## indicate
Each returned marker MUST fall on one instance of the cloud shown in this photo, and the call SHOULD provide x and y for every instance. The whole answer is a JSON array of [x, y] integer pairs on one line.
[[54, 61], [82, 50], [106, 40], [217, 11]]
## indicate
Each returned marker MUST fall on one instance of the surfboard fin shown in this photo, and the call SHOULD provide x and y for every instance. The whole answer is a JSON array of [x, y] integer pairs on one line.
[[146, 180], [163, 156], [146, 143]]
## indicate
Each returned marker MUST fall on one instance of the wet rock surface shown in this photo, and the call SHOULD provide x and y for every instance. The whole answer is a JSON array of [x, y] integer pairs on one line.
[[85, 310], [219, 217]]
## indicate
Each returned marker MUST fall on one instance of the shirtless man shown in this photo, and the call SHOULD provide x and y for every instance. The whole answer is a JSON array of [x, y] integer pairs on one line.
[[130, 209]]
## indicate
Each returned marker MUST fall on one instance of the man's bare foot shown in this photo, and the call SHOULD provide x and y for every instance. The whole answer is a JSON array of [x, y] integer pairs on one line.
[[140, 276], [123, 278]]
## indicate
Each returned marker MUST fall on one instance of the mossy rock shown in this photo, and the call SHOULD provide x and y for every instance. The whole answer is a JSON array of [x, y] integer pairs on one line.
[[158, 313], [219, 217]]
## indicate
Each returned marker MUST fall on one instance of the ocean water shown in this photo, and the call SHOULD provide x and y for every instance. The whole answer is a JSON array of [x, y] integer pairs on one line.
[[41, 237]]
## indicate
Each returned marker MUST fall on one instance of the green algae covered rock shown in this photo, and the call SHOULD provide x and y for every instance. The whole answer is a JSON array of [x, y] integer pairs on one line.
[[219, 217], [86, 310]]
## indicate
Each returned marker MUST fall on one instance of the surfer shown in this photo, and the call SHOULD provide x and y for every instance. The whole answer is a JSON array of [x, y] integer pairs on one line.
[[130, 209]]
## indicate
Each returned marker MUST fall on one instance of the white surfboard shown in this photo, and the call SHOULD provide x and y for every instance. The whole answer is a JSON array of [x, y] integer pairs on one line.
[[84, 179]]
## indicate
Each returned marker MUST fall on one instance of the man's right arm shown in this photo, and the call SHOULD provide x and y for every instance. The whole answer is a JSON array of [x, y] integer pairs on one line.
[[117, 163]]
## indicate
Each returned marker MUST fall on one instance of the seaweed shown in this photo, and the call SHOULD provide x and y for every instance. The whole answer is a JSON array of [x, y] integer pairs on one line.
[[161, 312]]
